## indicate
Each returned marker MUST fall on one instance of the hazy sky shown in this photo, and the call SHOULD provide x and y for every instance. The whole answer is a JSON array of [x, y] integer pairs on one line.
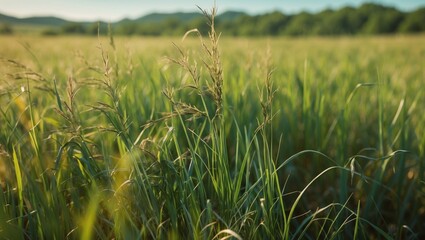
[[112, 10]]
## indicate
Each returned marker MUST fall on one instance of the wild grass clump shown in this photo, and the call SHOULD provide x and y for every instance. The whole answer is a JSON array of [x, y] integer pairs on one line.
[[212, 144]]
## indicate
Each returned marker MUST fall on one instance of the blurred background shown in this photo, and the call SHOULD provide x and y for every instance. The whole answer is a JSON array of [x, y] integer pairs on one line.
[[236, 18]]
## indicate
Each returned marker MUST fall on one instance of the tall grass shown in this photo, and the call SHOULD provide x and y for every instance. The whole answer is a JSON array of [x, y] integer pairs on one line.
[[214, 141]]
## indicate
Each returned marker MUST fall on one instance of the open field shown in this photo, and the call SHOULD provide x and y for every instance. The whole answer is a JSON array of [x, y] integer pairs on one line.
[[296, 138]]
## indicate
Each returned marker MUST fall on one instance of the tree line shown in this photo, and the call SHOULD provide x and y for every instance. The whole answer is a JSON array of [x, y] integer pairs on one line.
[[368, 18]]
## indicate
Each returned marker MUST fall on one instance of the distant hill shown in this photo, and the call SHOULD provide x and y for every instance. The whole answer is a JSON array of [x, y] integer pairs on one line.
[[149, 18], [55, 24], [159, 17], [369, 18], [7, 19], [231, 15], [45, 21], [180, 16]]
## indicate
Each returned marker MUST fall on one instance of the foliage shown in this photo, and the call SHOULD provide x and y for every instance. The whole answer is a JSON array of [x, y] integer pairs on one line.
[[5, 28], [50, 32], [369, 18], [414, 22]]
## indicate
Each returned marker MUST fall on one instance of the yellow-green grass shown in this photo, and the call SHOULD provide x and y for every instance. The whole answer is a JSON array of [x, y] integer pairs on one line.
[[330, 145]]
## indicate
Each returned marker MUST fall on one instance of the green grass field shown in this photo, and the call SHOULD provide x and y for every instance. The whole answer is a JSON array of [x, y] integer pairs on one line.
[[145, 138]]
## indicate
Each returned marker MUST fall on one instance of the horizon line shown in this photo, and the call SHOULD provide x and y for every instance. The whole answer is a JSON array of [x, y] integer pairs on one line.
[[71, 19]]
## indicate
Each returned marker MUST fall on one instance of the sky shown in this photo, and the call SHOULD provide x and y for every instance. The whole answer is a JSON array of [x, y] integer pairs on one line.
[[113, 10]]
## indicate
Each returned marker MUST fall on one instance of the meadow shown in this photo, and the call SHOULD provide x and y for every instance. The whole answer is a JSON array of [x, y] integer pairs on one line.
[[212, 138]]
